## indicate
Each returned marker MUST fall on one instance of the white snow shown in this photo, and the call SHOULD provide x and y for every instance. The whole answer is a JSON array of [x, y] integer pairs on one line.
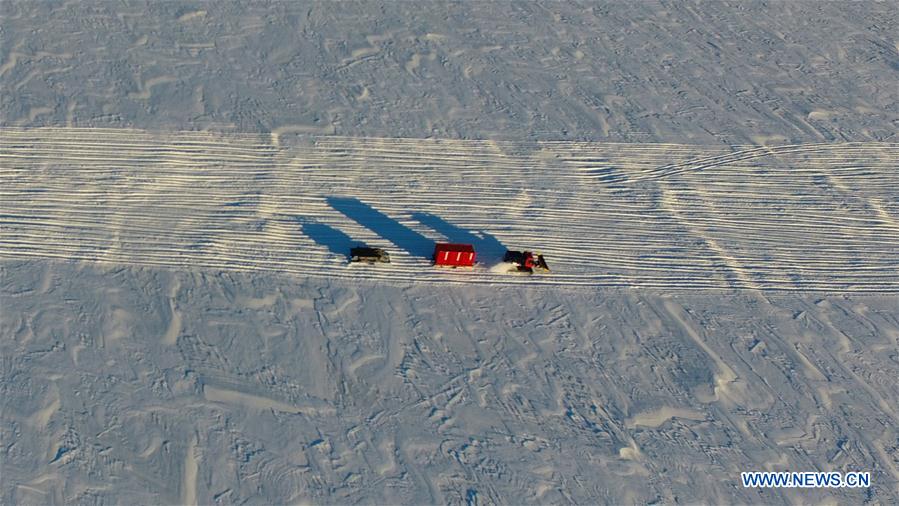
[[713, 186], [383, 393], [811, 217]]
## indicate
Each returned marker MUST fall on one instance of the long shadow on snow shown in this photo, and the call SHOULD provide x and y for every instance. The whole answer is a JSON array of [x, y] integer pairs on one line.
[[335, 240], [488, 248], [388, 228]]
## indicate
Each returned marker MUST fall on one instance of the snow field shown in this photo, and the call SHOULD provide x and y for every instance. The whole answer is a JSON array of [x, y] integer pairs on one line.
[[180, 184], [282, 389]]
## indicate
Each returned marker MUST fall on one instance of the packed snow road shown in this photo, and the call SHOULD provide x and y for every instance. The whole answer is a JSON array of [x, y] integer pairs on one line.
[[810, 217]]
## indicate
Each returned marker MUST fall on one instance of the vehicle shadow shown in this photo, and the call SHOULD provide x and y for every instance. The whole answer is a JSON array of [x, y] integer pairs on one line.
[[489, 249], [402, 236], [336, 241]]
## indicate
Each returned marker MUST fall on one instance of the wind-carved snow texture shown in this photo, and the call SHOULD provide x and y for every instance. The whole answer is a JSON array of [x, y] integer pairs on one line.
[[713, 185], [792, 217], [279, 389], [707, 73]]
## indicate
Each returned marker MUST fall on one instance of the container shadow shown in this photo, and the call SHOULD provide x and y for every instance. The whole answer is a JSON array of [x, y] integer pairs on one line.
[[402, 236], [488, 248], [336, 241]]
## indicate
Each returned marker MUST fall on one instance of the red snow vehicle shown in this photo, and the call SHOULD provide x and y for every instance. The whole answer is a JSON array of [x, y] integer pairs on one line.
[[454, 255], [525, 262]]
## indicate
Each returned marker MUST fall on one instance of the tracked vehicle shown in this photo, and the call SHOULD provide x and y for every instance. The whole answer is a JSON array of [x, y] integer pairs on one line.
[[525, 262]]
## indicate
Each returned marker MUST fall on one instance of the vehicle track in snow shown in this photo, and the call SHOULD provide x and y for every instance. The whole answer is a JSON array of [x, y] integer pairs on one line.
[[820, 217]]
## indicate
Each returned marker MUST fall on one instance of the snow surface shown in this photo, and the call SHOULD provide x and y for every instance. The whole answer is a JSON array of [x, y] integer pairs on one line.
[[713, 185], [808, 216]]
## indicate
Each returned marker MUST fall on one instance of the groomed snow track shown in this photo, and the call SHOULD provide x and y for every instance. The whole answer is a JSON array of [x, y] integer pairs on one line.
[[819, 217]]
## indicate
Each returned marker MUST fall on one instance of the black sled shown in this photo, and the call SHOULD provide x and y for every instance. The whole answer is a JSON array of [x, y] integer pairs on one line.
[[369, 255]]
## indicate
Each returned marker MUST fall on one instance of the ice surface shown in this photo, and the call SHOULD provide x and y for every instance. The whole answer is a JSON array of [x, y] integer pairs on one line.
[[714, 186]]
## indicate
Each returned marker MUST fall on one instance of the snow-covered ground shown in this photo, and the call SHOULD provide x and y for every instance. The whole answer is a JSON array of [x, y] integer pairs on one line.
[[714, 187], [790, 217], [148, 385]]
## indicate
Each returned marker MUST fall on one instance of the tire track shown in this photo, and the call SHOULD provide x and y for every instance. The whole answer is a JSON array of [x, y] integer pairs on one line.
[[657, 215]]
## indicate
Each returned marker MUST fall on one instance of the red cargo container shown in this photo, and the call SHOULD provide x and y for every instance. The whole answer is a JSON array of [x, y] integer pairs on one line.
[[454, 255]]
